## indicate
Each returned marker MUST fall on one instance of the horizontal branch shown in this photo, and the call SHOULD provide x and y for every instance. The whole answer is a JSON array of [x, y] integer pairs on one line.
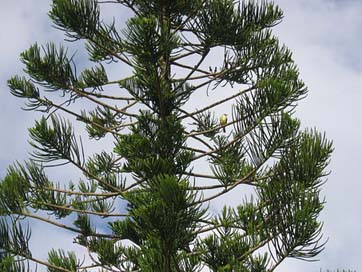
[[63, 226], [244, 180], [219, 186], [196, 133], [79, 193], [198, 175], [190, 68], [68, 208], [173, 59], [78, 116], [49, 265], [106, 184], [196, 150], [82, 94], [123, 98], [218, 103]]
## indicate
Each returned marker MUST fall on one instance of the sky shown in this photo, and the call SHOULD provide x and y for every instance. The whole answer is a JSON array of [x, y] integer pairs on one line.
[[325, 37]]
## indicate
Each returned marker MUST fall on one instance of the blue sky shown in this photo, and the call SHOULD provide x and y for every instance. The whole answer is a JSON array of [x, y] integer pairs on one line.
[[325, 37]]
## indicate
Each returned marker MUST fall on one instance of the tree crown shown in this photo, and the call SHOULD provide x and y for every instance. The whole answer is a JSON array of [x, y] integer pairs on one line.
[[170, 159]]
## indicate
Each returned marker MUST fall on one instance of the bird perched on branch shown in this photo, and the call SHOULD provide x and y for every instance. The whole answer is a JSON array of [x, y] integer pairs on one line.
[[223, 121]]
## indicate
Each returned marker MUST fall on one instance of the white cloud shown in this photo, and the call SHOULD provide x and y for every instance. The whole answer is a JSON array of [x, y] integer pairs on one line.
[[325, 39]]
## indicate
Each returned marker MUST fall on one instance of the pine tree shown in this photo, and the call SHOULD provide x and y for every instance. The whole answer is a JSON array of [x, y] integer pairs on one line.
[[189, 62]]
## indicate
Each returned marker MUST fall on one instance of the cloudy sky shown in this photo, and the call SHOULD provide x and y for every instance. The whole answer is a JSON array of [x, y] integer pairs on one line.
[[325, 37]]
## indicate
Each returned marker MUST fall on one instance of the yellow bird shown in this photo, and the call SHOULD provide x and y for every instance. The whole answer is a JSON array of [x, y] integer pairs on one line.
[[223, 121]]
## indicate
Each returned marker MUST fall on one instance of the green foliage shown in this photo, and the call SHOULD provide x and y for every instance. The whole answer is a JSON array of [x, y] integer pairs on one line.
[[84, 224], [154, 147], [220, 23], [78, 17], [95, 77], [56, 142], [61, 259], [230, 163], [14, 239], [13, 192], [23, 88], [104, 167], [100, 121], [10, 264], [54, 70], [176, 9], [126, 230], [164, 209], [154, 188], [80, 20], [299, 180]]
